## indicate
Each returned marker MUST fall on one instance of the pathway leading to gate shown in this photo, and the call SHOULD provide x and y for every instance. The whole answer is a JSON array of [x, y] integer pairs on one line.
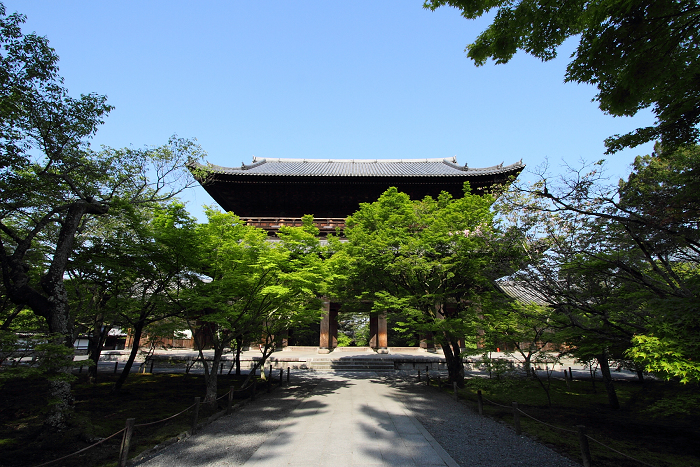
[[358, 419]]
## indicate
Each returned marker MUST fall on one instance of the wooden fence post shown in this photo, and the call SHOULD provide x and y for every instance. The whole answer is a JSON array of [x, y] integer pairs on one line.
[[427, 376], [195, 415], [230, 400], [126, 441], [480, 402], [566, 378], [419, 376], [585, 449], [281, 375], [287, 376], [516, 418], [116, 366]]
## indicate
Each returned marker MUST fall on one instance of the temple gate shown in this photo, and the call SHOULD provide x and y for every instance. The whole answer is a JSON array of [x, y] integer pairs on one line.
[[270, 193]]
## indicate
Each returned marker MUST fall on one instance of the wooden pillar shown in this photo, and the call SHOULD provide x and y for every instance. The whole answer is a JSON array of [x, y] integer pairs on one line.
[[324, 339], [382, 338], [373, 325], [333, 327]]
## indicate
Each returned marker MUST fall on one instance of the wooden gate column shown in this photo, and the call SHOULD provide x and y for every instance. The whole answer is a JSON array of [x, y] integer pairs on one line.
[[324, 339], [332, 327], [382, 338], [373, 326]]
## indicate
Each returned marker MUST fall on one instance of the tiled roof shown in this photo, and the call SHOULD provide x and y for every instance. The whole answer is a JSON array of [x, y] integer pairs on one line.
[[363, 168], [522, 292]]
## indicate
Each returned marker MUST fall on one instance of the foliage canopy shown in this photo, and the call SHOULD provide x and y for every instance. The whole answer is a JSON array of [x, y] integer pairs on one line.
[[640, 54]]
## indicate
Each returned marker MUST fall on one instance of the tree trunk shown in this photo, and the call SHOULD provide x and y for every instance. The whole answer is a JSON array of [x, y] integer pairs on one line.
[[455, 366], [61, 326], [95, 345], [51, 303], [239, 347], [136, 342], [607, 379], [527, 365], [210, 377], [8, 321]]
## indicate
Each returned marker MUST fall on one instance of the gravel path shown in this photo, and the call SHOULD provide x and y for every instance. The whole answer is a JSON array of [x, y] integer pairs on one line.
[[232, 440], [470, 440]]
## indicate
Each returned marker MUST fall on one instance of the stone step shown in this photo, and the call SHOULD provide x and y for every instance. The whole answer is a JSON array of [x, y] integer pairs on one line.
[[349, 369], [351, 366], [363, 361]]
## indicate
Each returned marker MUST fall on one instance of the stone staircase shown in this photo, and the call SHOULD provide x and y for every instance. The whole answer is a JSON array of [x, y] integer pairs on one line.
[[351, 364]]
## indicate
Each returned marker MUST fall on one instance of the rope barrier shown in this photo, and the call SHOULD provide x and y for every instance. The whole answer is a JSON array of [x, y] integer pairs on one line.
[[188, 408], [568, 431], [165, 419], [496, 403], [621, 453], [545, 423], [138, 426], [82, 450], [244, 388]]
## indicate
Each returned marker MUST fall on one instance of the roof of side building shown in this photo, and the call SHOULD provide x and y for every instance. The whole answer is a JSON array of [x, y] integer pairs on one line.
[[523, 292]]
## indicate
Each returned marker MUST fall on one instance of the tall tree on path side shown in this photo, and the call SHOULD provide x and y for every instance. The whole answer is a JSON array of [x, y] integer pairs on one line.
[[50, 181], [433, 262], [623, 260], [250, 287]]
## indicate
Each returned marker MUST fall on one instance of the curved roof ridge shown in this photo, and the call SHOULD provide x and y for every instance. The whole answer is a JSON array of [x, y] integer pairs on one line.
[[497, 168], [355, 161], [361, 168]]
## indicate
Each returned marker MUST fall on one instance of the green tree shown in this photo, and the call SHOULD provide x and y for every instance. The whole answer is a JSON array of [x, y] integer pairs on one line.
[[640, 54], [249, 287], [526, 327], [622, 262], [156, 261], [51, 181], [431, 261]]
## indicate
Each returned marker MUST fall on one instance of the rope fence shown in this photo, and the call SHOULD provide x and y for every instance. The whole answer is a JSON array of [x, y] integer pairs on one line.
[[82, 450], [621, 453], [580, 431], [130, 422]]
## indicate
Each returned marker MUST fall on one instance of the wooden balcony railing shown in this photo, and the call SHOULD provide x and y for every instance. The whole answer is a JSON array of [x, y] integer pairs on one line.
[[325, 225]]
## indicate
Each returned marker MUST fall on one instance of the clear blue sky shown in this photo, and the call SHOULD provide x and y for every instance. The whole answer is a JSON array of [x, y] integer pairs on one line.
[[319, 79]]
